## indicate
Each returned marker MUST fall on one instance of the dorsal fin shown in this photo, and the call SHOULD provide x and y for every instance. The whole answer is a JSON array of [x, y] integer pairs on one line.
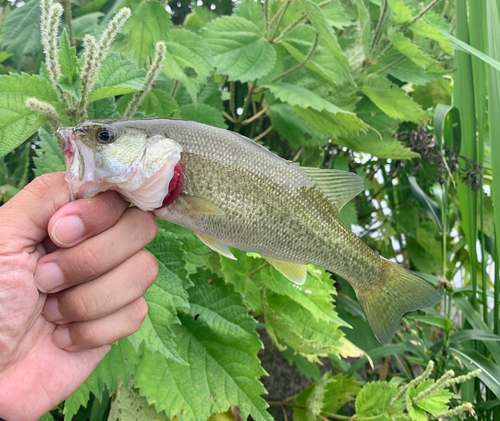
[[339, 186]]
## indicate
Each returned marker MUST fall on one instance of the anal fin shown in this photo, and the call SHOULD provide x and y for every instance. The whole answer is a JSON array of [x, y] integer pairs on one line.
[[216, 246], [295, 272]]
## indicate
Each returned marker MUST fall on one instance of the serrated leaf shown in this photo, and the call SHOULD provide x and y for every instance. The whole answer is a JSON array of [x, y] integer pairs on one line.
[[303, 365], [292, 324], [119, 365], [327, 35], [91, 6], [410, 50], [21, 30], [158, 103], [166, 296], [336, 15], [217, 339], [18, 122], [292, 127], [128, 405], [430, 27], [392, 100], [101, 109], [189, 59], [315, 110], [49, 154], [435, 403], [117, 77], [300, 41], [315, 401], [408, 72], [85, 24], [67, 57], [374, 399], [199, 18], [47, 417], [400, 13], [239, 50], [251, 10], [149, 23], [203, 113], [417, 414]]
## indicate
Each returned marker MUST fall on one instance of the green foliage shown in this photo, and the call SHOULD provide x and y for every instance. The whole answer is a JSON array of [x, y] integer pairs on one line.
[[350, 85]]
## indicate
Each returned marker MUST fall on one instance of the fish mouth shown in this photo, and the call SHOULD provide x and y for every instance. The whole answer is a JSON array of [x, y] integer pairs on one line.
[[67, 136]]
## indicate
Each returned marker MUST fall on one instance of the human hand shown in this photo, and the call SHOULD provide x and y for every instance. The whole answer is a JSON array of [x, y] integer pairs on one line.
[[72, 276]]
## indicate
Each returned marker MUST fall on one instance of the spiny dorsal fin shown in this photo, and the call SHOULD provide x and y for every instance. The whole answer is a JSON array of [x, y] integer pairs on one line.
[[295, 272], [339, 186], [216, 245]]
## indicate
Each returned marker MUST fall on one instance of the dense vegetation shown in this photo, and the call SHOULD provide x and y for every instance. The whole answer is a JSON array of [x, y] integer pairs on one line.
[[359, 85]]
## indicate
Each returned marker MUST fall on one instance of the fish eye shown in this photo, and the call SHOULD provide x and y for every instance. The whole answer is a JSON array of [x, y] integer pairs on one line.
[[105, 136]]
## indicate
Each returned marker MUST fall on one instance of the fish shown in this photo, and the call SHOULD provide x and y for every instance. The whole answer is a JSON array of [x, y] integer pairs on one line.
[[233, 192]]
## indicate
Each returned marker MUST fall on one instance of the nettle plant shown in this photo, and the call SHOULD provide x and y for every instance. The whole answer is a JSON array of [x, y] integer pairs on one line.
[[275, 71]]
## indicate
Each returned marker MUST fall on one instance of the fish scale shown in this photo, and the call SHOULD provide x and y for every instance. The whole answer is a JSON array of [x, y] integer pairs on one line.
[[237, 193]]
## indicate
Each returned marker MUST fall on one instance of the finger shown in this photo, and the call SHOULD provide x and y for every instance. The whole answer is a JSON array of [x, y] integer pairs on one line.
[[106, 294], [32, 209], [85, 218], [92, 258], [107, 330]]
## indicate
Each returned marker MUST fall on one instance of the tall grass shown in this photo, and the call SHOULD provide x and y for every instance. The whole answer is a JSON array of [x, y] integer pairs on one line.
[[477, 96]]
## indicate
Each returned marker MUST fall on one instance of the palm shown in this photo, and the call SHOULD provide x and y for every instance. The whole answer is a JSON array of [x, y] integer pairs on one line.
[[29, 358]]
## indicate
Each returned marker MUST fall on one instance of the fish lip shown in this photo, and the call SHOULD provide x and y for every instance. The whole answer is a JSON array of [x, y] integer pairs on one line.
[[67, 136]]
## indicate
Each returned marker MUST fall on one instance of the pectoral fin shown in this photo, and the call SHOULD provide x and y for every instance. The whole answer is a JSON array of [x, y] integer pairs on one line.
[[296, 272], [216, 246], [199, 205]]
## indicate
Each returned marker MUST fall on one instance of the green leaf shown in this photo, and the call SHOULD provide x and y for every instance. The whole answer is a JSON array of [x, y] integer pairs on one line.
[[166, 296], [189, 52], [128, 405], [435, 403], [91, 6], [400, 13], [117, 77], [203, 113], [49, 154], [67, 58], [103, 109], [417, 414], [432, 26], [292, 127], [85, 24], [304, 367], [441, 322], [447, 126], [409, 72], [252, 11], [338, 392], [327, 35], [316, 111], [239, 50], [410, 50], [199, 18], [374, 399], [21, 30], [218, 341], [300, 41], [119, 365], [315, 401], [430, 207], [159, 103], [473, 360], [47, 417], [392, 100], [149, 23], [336, 15], [18, 122], [474, 335]]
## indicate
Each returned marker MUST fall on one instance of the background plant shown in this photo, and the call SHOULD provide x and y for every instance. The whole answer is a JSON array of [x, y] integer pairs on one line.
[[379, 87]]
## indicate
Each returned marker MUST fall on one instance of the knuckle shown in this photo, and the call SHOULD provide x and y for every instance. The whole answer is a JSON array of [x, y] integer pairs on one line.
[[89, 262], [149, 269], [81, 307], [138, 313], [148, 225], [86, 335]]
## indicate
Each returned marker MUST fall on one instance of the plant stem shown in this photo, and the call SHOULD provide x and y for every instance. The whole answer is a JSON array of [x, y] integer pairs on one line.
[[255, 116], [246, 104], [69, 23], [421, 14], [380, 24], [302, 63], [264, 133], [175, 88], [275, 23], [299, 20], [266, 15], [232, 99]]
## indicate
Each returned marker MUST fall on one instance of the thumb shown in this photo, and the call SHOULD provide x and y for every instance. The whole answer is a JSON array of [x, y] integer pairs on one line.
[[24, 218]]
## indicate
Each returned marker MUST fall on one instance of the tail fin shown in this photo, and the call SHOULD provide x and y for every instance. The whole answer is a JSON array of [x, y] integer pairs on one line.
[[399, 292]]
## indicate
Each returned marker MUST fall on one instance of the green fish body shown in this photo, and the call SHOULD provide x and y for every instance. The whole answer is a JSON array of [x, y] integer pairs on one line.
[[236, 193]]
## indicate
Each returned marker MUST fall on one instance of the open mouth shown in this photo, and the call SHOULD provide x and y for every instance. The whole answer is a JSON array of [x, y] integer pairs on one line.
[[68, 138]]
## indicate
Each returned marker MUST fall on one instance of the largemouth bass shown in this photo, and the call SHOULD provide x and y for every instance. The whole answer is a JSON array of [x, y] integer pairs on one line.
[[233, 192]]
